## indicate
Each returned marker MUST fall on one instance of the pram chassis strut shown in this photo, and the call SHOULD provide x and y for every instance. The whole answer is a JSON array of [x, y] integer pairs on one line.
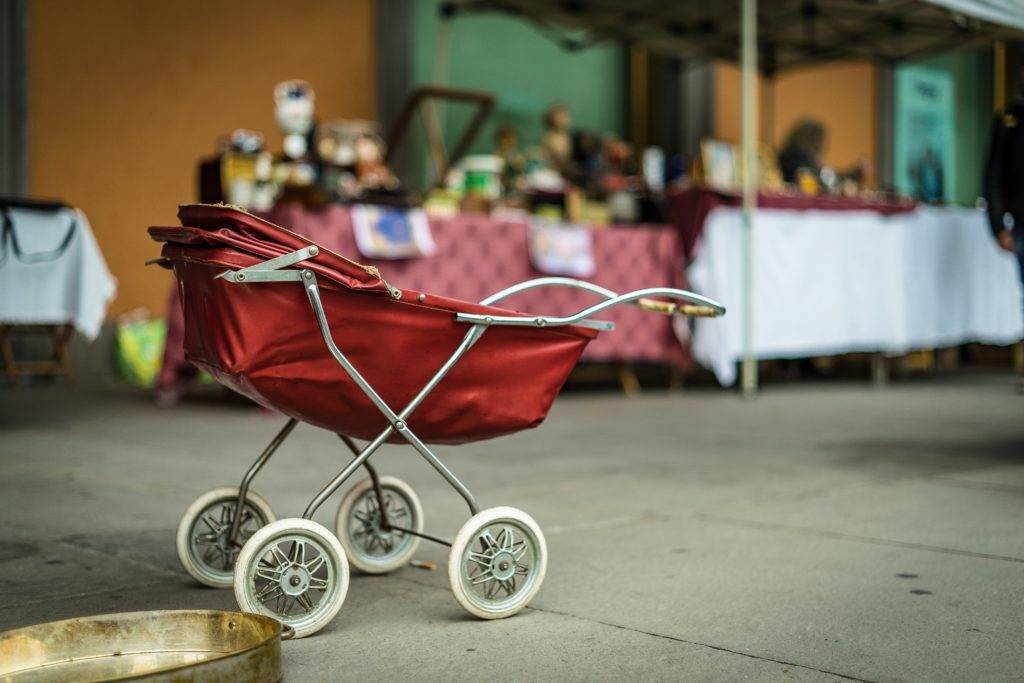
[[250, 473], [378, 492], [270, 271]]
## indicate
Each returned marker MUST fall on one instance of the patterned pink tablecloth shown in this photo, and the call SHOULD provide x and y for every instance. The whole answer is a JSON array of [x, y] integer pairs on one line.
[[478, 255]]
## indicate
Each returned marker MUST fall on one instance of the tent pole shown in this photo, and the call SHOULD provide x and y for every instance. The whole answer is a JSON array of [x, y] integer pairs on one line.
[[748, 57]]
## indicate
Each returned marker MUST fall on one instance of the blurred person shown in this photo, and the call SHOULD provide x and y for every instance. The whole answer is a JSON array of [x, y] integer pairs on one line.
[[1004, 179], [557, 140], [506, 146], [803, 152]]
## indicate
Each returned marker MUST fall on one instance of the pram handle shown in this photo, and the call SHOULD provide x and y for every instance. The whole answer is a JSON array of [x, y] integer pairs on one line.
[[695, 304], [536, 283], [669, 308]]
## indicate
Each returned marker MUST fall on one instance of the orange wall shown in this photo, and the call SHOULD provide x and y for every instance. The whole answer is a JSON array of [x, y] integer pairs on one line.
[[842, 95], [127, 96]]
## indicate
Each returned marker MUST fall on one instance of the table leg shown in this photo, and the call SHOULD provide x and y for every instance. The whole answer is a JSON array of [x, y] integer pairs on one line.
[[628, 379], [59, 362], [949, 358], [10, 364], [1018, 365], [675, 378], [879, 370], [61, 336]]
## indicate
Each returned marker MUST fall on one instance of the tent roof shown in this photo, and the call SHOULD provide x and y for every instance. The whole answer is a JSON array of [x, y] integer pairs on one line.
[[1000, 12], [790, 32]]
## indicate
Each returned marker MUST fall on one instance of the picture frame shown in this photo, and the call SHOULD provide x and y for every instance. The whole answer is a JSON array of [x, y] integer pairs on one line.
[[719, 164]]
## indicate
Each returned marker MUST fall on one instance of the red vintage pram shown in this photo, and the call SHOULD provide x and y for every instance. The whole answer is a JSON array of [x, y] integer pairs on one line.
[[273, 316]]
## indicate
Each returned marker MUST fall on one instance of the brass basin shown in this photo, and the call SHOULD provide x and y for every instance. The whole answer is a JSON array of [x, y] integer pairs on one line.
[[171, 645]]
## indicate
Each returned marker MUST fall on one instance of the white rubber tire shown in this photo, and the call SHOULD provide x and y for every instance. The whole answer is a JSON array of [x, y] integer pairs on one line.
[[256, 546], [191, 565], [467, 535], [358, 558]]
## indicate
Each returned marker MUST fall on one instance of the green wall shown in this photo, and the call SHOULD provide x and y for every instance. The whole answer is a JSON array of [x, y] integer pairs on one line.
[[525, 69]]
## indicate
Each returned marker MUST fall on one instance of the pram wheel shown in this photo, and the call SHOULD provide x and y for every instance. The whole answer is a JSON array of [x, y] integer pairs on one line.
[[497, 562], [203, 548], [369, 547], [295, 571]]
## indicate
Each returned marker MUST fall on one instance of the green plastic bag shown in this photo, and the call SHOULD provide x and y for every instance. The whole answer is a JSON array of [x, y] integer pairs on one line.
[[140, 350]]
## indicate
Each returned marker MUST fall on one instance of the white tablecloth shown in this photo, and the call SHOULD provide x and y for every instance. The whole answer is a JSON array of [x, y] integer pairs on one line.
[[831, 282], [74, 288]]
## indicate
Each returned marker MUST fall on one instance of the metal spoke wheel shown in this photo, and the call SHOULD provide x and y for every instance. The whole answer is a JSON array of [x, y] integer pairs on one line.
[[369, 546], [497, 562], [295, 571], [202, 538]]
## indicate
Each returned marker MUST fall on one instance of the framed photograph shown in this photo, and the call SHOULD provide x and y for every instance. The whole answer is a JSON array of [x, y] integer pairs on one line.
[[719, 163], [386, 233]]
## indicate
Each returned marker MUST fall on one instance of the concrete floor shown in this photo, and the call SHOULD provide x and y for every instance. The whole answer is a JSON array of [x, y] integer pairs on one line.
[[822, 532]]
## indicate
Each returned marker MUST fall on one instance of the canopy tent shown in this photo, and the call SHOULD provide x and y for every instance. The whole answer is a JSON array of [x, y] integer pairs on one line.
[[998, 12], [771, 35], [791, 32]]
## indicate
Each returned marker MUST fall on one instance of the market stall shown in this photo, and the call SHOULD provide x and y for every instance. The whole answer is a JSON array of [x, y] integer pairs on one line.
[[575, 203], [842, 279], [476, 255], [53, 281], [594, 187], [773, 35]]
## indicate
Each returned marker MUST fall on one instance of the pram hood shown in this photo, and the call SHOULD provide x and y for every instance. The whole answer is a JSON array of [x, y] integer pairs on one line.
[[263, 340], [228, 236], [224, 226]]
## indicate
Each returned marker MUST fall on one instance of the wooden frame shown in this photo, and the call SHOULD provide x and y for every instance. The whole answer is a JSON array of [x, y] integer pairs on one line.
[[58, 364], [484, 102]]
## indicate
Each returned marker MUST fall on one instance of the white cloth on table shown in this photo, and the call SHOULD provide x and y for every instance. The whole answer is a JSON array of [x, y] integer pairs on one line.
[[831, 282], [74, 287]]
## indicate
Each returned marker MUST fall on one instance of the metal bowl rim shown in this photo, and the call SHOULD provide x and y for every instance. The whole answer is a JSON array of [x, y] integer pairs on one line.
[[278, 634]]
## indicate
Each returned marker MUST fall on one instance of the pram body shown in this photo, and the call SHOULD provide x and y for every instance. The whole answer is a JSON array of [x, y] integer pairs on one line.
[[272, 315], [249, 338]]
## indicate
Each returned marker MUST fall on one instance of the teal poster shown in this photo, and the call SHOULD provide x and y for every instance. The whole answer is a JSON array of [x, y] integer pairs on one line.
[[923, 130]]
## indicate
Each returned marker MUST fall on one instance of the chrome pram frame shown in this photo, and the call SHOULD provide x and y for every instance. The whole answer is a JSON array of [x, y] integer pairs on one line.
[[282, 269]]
